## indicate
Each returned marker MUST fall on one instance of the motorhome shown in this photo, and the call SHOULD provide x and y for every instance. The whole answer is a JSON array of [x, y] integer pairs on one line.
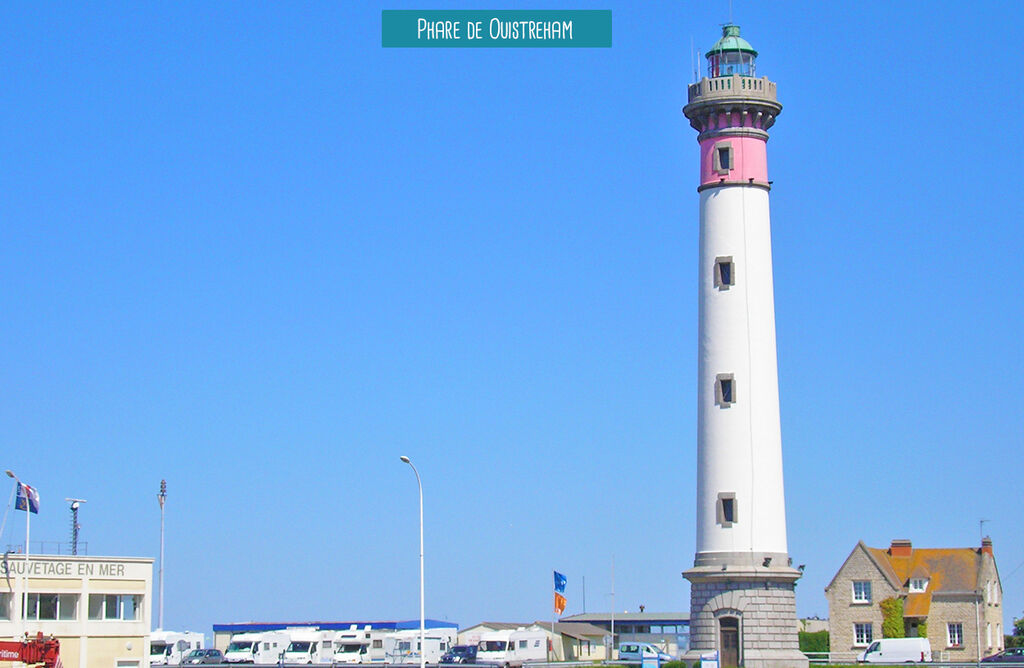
[[310, 646], [512, 648], [897, 650], [360, 645], [258, 648], [528, 646], [169, 647], [404, 646]]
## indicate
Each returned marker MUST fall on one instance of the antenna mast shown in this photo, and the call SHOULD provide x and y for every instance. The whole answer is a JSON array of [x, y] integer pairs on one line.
[[75, 526]]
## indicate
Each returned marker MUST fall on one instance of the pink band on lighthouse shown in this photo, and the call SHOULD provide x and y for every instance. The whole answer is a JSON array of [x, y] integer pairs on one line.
[[733, 158]]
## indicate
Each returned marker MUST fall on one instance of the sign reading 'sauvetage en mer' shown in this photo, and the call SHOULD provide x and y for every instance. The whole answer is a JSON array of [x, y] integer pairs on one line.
[[42, 569], [499, 28]]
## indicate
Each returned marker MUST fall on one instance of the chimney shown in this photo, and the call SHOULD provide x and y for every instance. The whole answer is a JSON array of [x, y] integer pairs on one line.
[[900, 547], [986, 546]]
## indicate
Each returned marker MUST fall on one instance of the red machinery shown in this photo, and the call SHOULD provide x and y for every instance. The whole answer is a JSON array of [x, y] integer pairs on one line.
[[32, 651]]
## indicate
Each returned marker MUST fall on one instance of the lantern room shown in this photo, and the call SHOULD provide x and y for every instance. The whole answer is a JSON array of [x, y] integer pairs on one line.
[[731, 55]]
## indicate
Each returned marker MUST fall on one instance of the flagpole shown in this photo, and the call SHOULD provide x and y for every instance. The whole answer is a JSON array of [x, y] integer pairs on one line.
[[28, 518]]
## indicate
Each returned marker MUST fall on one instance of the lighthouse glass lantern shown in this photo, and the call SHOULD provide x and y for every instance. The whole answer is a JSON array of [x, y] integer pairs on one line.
[[731, 55]]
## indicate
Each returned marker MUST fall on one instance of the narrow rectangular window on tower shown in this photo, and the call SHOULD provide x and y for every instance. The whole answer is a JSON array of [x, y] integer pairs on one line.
[[723, 161], [725, 272], [726, 514], [725, 390]]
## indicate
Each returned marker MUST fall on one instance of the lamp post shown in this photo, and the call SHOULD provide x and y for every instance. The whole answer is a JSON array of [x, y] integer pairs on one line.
[[419, 483], [162, 498]]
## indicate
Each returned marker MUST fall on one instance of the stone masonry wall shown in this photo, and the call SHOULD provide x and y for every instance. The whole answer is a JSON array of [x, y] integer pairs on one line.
[[767, 615], [843, 613]]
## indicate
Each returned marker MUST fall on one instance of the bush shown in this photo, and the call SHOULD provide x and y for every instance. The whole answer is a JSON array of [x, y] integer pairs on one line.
[[922, 630], [892, 618], [674, 664], [816, 641]]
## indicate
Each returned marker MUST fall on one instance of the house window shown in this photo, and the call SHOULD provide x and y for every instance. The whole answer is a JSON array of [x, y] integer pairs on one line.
[[725, 390], [955, 634], [125, 607], [52, 606], [723, 158], [918, 585], [726, 508], [862, 634], [861, 591], [725, 272]]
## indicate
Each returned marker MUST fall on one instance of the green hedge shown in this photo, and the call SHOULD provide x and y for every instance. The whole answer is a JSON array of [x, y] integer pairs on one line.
[[816, 641]]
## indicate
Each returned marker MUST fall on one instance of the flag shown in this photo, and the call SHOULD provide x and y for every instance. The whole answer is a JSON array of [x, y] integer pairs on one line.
[[28, 498], [560, 581], [559, 604]]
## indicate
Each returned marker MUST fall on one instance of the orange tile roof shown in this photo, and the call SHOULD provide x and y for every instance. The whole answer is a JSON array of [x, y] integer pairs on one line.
[[917, 605], [948, 569]]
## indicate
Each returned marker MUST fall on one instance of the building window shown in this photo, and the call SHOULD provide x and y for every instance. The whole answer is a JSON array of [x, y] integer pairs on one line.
[[725, 272], [726, 508], [723, 161], [51, 607], [955, 634], [918, 585], [125, 607], [861, 591], [988, 634], [862, 634], [5, 605], [725, 390]]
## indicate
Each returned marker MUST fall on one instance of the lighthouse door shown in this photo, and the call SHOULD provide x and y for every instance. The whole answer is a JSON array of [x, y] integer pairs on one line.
[[729, 642]]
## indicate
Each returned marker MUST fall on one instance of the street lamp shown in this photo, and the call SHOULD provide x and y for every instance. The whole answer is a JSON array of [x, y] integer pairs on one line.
[[419, 483]]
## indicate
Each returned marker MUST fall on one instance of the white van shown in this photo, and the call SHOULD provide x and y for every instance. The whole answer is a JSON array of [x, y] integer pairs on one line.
[[897, 650]]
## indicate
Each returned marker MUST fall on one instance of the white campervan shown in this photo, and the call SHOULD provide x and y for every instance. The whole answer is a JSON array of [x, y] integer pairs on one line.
[[310, 646], [512, 648], [365, 645], [897, 650], [170, 647], [404, 646], [258, 648]]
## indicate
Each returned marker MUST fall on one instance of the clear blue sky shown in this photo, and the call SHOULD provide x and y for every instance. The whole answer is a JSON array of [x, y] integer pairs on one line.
[[246, 249]]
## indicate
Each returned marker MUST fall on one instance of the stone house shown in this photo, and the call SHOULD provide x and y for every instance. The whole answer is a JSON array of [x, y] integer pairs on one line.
[[952, 596]]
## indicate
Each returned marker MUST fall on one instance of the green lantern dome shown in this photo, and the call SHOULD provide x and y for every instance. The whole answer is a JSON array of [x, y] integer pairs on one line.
[[731, 41], [731, 55]]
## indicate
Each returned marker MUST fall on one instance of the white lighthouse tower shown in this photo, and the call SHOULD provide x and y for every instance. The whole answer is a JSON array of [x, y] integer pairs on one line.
[[742, 601]]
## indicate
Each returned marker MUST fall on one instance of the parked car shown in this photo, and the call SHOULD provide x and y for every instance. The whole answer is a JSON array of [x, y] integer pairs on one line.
[[1011, 655], [638, 651], [204, 656], [460, 654]]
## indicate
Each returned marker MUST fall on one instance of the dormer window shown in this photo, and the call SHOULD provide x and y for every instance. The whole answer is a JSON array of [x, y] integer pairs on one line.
[[918, 585]]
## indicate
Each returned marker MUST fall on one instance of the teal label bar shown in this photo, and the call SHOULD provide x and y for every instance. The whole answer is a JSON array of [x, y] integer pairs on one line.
[[587, 28]]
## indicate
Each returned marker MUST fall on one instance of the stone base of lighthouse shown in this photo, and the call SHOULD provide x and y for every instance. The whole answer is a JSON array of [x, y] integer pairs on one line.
[[747, 614]]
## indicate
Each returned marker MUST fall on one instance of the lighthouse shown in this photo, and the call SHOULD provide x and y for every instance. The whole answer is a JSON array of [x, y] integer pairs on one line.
[[742, 601]]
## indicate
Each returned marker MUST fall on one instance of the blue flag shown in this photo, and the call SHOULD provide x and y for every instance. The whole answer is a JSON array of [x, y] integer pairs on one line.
[[28, 498], [559, 582]]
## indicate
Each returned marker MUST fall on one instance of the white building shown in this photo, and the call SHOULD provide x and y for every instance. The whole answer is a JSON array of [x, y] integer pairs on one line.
[[98, 607]]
